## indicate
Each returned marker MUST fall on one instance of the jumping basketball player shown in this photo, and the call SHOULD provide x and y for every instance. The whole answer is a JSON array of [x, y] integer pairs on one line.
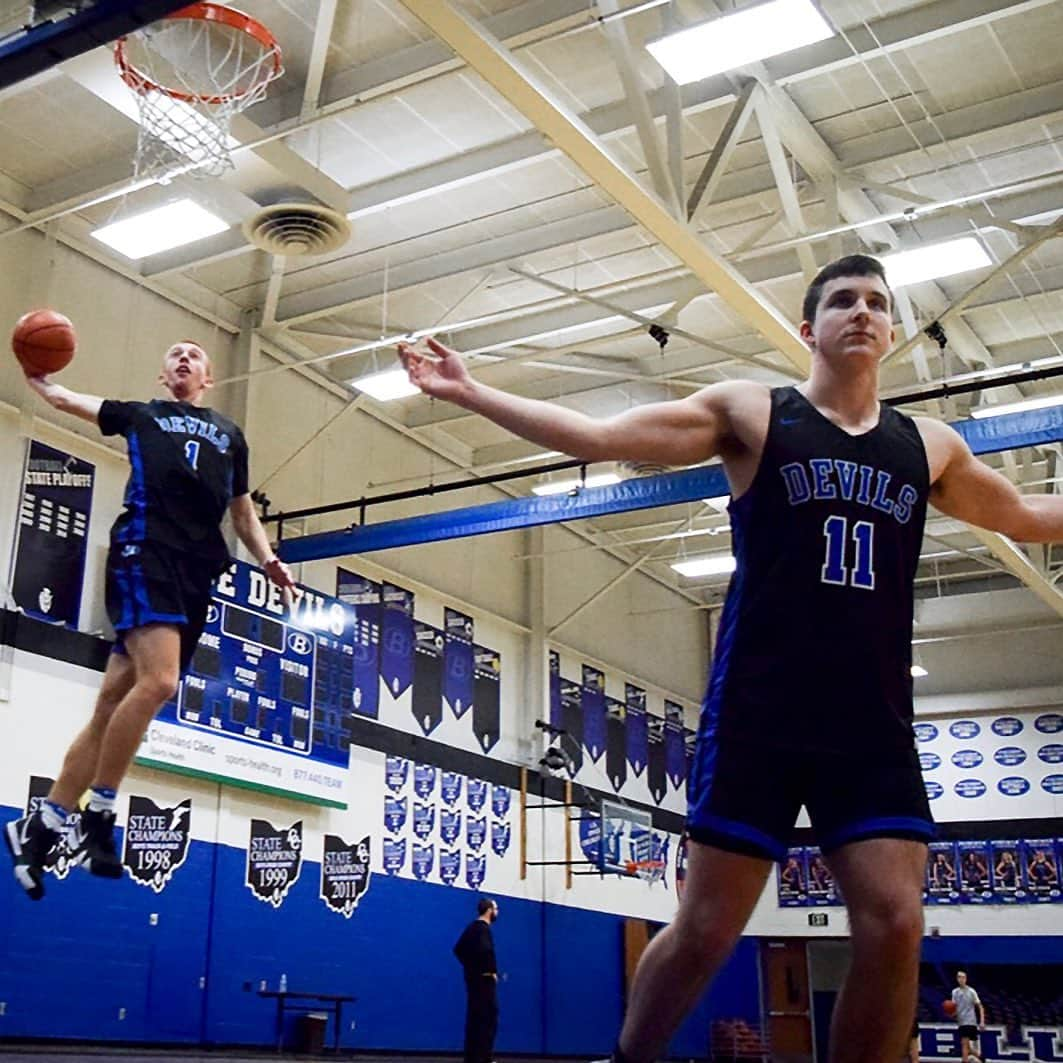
[[188, 467], [811, 684]]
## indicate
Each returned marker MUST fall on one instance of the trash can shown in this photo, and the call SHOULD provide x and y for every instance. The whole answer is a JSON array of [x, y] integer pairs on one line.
[[311, 1032]]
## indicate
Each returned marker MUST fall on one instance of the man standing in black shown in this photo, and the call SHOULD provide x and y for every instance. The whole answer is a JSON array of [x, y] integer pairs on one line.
[[475, 950]]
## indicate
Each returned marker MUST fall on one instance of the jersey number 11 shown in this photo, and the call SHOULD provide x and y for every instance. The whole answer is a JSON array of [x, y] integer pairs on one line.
[[835, 570]]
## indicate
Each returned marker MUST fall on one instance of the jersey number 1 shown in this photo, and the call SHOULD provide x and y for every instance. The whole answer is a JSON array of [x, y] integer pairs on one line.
[[862, 575], [192, 453]]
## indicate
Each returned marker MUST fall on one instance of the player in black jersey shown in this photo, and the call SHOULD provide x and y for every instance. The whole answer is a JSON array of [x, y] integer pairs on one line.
[[188, 468], [810, 684]]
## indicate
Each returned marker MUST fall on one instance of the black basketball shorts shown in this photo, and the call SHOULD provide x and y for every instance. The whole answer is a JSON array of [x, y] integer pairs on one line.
[[150, 584], [745, 797]]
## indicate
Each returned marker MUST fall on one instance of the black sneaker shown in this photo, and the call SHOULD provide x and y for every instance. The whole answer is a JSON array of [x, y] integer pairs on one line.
[[29, 841], [97, 849]]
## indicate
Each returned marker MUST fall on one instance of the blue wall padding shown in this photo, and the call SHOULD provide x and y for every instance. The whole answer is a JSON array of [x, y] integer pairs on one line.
[[984, 436], [69, 963]]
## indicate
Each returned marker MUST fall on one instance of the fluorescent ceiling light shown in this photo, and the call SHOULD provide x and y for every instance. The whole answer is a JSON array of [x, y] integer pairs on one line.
[[560, 487], [918, 671], [386, 385], [738, 39], [1018, 407], [161, 229], [540, 456], [705, 566], [936, 260]]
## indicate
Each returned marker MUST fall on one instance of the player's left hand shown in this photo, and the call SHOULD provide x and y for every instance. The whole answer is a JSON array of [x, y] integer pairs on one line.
[[278, 573]]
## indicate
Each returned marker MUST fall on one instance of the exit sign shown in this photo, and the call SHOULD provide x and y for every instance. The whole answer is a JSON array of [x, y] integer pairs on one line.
[[817, 918]]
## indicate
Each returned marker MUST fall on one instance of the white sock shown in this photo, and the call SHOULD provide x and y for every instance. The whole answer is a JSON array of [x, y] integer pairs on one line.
[[102, 799], [53, 816]]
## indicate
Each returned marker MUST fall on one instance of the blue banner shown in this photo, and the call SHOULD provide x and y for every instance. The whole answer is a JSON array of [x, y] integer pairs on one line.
[[675, 758], [592, 703], [458, 661], [638, 751], [396, 639], [363, 596]]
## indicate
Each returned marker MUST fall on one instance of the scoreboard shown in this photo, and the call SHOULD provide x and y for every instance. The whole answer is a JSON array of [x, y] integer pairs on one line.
[[266, 701]]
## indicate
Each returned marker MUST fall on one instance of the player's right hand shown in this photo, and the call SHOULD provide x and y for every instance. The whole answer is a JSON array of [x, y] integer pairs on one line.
[[442, 377]]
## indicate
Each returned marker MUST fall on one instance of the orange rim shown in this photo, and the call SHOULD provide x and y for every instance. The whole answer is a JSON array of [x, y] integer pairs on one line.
[[202, 12]]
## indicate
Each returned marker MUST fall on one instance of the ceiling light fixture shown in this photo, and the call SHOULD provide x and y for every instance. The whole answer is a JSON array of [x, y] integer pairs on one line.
[[161, 229], [1040, 403], [560, 487], [738, 39], [934, 261], [387, 385], [714, 565]]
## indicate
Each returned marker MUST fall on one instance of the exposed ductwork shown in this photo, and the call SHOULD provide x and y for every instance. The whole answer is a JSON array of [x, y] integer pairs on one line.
[[294, 229]]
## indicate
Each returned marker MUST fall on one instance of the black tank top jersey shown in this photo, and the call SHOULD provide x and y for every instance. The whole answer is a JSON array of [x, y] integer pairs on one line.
[[186, 464], [814, 645]]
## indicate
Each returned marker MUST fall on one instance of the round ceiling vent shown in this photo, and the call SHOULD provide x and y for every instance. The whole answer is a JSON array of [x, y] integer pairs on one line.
[[629, 470], [297, 229]]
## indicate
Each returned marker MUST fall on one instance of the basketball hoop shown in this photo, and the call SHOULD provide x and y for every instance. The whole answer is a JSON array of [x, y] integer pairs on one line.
[[648, 870], [192, 72]]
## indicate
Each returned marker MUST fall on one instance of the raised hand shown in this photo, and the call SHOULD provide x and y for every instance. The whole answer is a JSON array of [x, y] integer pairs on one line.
[[443, 376]]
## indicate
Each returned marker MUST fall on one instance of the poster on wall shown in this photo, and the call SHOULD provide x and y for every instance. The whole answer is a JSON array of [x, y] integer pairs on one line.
[[274, 860], [345, 874], [792, 879], [941, 882], [974, 880], [265, 703], [363, 596], [1005, 872], [1041, 863], [51, 536], [821, 887], [156, 841]]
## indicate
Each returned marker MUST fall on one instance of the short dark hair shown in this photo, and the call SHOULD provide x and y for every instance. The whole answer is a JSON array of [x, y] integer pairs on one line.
[[849, 266], [484, 904]]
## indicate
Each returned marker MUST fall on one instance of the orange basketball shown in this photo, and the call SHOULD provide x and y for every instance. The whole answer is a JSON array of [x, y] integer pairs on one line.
[[949, 1008], [44, 342]]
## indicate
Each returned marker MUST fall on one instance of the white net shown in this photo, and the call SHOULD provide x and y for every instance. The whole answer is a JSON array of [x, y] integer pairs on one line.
[[190, 77]]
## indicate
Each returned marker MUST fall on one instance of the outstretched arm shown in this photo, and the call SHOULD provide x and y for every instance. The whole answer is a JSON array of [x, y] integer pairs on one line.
[[249, 528], [679, 432], [968, 489], [85, 406]]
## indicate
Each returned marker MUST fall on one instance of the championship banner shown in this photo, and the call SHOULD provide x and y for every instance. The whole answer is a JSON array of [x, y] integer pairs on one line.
[[449, 866], [363, 595], [615, 743], [457, 661], [572, 716], [267, 697], [51, 537], [638, 751], [396, 639], [274, 860], [487, 697], [156, 841], [58, 860], [675, 760], [345, 874], [557, 715], [592, 701], [427, 701], [657, 776]]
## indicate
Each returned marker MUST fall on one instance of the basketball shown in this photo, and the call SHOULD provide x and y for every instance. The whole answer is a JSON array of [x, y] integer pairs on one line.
[[43, 341], [949, 1008]]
